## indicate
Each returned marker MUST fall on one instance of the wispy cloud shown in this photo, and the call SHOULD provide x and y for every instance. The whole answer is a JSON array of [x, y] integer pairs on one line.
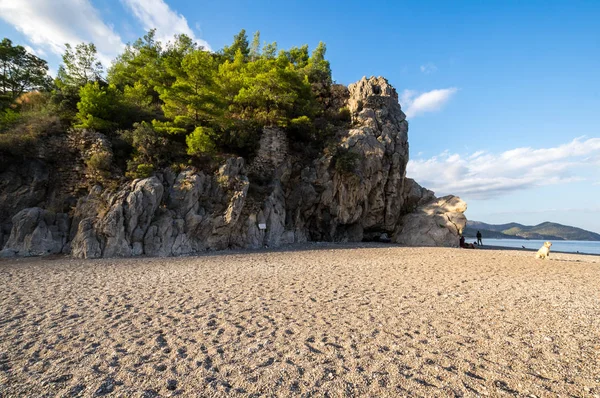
[[484, 175], [157, 14], [35, 51], [428, 68], [50, 24], [415, 103]]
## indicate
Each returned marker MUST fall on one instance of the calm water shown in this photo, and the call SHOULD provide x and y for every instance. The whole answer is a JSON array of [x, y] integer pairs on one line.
[[572, 246]]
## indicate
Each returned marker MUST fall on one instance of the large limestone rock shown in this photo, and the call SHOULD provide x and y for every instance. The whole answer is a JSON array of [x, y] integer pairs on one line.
[[327, 203], [37, 232], [437, 223], [21, 186], [353, 191]]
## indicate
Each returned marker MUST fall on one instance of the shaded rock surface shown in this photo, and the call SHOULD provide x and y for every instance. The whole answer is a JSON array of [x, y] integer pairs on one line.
[[275, 199], [37, 232], [436, 223]]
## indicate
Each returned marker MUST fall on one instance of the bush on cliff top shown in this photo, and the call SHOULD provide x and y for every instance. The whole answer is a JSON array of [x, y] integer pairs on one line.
[[172, 102]]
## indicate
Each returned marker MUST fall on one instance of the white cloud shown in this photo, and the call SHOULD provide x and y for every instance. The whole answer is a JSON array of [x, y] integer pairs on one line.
[[51, 24], [484, 175], [31, 50], [415, 104], [428, 68], [157, 14]]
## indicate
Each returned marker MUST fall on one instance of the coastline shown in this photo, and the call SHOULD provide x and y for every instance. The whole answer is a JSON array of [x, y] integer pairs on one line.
[[489, 247], [294, 247]]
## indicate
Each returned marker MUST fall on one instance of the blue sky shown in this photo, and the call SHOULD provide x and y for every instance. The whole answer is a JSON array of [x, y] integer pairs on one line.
[[503, 97]]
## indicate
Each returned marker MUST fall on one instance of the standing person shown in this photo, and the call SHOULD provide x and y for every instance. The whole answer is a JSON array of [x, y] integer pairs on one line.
[[479, 242]]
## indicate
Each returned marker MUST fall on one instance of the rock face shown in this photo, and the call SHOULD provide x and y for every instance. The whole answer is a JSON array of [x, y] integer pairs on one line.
[[437, 223], [355, 191], [37, 232]]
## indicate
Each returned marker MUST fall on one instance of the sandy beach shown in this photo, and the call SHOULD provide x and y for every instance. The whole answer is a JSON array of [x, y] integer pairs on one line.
[[316, 320]]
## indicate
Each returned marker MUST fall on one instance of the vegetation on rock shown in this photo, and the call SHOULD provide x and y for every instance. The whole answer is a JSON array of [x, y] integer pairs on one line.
[[171, 103]]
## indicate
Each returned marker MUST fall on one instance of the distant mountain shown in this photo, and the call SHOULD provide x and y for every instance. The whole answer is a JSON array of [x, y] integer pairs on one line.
[[544, 231]]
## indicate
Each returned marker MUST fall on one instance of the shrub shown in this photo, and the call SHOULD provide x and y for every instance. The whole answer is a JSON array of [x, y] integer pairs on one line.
[[149, 145], [301, 128], [100, 161], [99, 107], [33, 101], [240, 137], [18, 144], [344, 115], [21, 134], [345, 161], [144, 170], [199, 142], [8, 118]]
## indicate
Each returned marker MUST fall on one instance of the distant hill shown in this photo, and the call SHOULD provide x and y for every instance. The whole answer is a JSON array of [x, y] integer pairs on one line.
[[544, 231]]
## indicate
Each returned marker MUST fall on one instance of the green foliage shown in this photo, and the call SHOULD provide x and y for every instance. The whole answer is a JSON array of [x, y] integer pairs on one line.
[[192, 100], [301, 128], [80, 66], [199, 142], [100, 161], [141, 170], [164, 103], [240, 136], [33, 101], [270, 91], [21, 137], [148, 144], [255, 47], [150, 147], [139, 64], [137, 95], [150, 65], [137, 104], [20, 72], [240, 43], [8, 118], [176, 127], [100, 107], [344, 115], [269, 50], [346, 161], [18, 144]]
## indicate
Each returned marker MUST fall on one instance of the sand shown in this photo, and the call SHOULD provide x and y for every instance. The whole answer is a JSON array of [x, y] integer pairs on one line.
[[319, 320]]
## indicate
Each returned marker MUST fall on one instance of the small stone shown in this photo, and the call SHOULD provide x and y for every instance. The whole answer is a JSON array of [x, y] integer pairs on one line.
[[171, 385], [149, 394], [106, 387]]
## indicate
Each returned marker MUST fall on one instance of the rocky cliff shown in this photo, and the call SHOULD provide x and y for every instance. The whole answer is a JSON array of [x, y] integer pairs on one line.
[[355, 191]]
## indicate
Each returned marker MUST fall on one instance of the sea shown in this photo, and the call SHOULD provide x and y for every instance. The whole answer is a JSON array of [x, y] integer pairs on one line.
[[570, 246]]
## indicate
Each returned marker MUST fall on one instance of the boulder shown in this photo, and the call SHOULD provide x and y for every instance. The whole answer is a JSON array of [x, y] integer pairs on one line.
[[437, 223], [37, 232]]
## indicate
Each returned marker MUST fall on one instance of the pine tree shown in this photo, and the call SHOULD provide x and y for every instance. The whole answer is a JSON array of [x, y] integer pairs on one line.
[[193, 99], [20, 72], [255, 47], [240, 42], [80, 66]]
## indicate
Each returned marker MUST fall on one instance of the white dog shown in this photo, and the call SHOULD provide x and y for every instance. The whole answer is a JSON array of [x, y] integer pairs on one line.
[[544, 251]]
